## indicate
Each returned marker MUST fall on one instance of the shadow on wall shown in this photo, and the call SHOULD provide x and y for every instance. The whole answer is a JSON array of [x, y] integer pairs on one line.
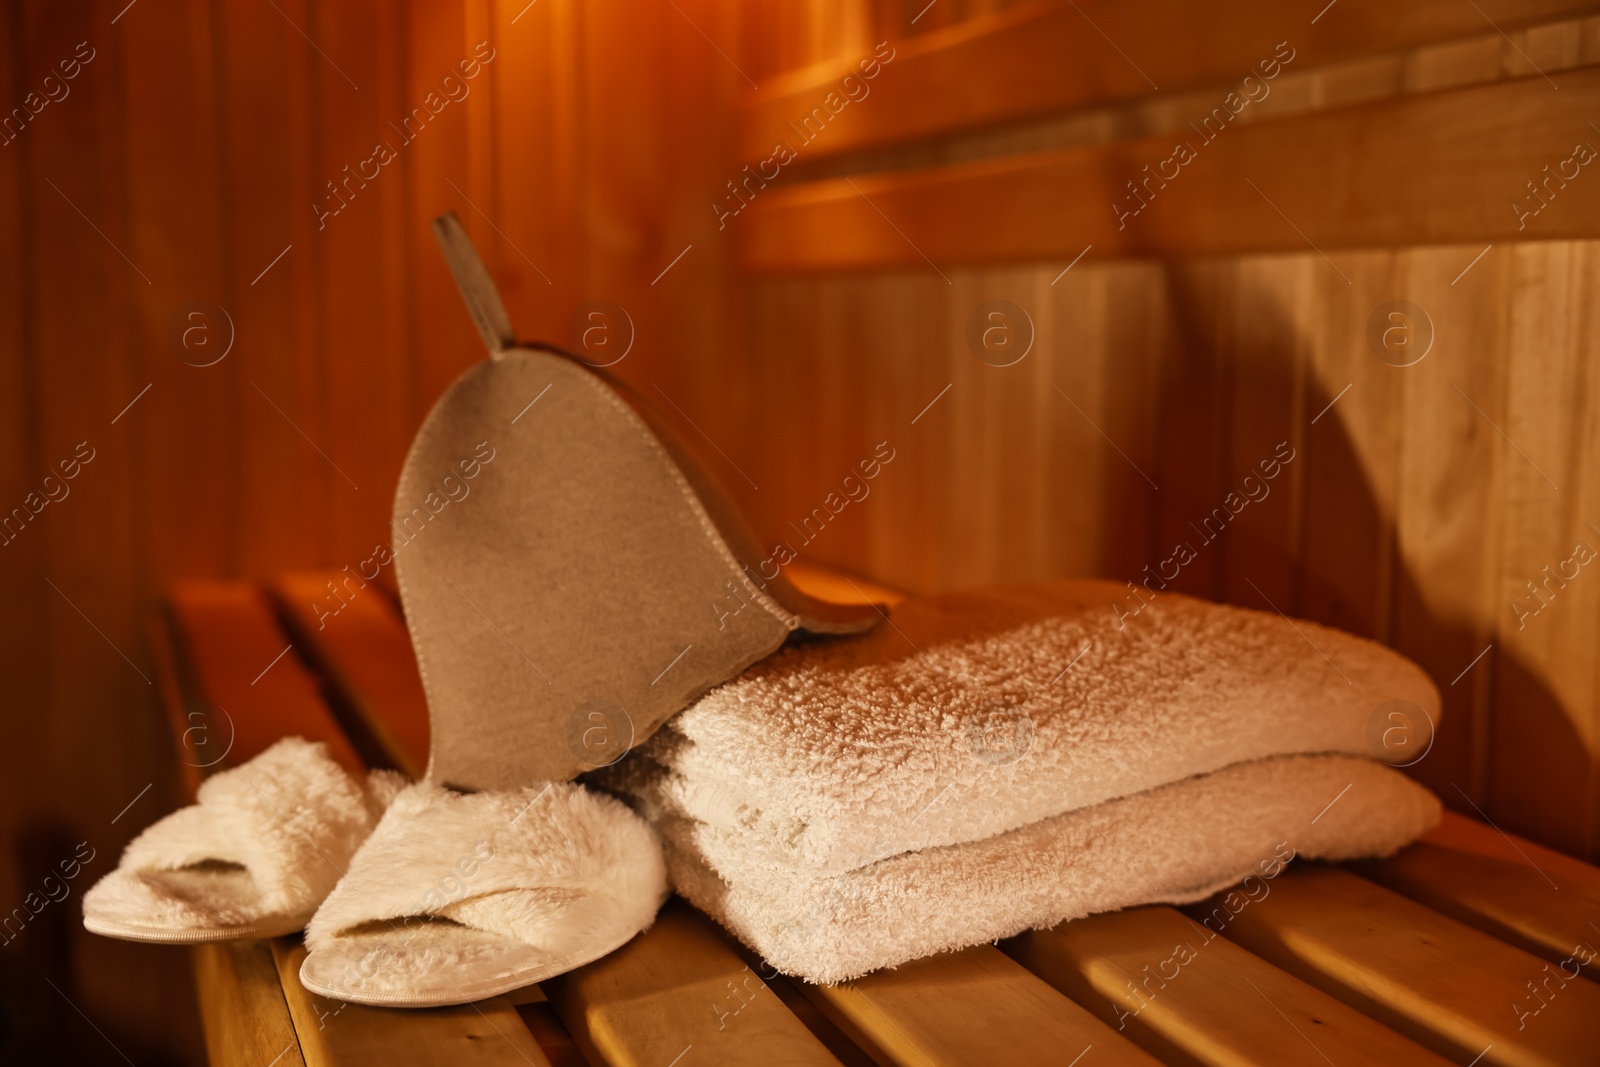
[[1187, 376], [1325, 548]]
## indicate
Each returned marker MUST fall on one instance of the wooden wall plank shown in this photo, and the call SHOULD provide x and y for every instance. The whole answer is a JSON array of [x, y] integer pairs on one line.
[[535, 75], [364, 402], [268, 99], [1341, 178], [1194, 395], [433, 155], [1267, 336], [20, 458], [1351, 452], [1544, 778], [1447, 520], [84, 579], [174, 207], [1044, 57]]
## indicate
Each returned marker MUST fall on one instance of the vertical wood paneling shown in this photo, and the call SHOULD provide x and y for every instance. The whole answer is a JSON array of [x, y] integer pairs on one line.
[[366, 384], [267, 100], [1134, 308], [173, 190], [20, 553], [1544, 737], [1072, 352], [443, 336], [1265, 329], [535, 75], [1351, 454], [1194, 404], [1449, 518], [80, 383], [93, 741]]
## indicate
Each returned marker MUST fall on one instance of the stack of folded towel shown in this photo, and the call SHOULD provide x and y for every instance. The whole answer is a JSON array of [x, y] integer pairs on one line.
[[1004, 759]]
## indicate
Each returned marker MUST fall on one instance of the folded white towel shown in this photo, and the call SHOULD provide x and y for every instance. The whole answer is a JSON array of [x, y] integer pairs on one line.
[[971, 714], [1179, 843]]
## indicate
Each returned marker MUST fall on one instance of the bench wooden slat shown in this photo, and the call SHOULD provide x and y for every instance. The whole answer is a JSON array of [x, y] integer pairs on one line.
[[1449, 986], [1522, 893], [1435, 168], [1187, 995], [550, 1035], [241, 664], [845, 1049], [364, 649], [674, 988], [837, 587], [242, 1008], [334, 1034], [1042, 58], [974, 1006]]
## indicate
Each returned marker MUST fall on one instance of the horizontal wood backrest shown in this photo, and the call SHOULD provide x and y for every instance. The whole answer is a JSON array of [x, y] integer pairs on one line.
[[1434, 169], [1056, 56], [1222, 175]]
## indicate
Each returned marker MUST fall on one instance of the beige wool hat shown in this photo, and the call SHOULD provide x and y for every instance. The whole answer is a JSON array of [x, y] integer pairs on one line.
[[593, 581]]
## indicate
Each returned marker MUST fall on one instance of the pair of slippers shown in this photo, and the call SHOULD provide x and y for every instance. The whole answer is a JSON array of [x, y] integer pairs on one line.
[[564, 561], [409, 894]]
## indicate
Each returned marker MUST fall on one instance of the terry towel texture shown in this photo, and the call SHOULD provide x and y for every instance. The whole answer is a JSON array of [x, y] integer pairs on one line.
[[976, 713], [1174, 844]]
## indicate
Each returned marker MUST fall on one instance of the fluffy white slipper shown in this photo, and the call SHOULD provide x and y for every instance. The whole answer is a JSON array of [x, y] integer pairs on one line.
[[456, 897], [262, 847]]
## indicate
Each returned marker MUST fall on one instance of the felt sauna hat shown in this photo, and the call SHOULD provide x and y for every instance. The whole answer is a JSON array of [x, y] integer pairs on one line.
[[587, 579]]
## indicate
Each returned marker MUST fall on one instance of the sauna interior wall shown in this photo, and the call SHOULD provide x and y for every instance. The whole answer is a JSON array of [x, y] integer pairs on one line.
[[1417, 509], [190, 159]]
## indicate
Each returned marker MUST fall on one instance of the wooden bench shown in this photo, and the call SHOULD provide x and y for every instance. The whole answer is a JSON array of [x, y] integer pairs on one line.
[[1469, 947]]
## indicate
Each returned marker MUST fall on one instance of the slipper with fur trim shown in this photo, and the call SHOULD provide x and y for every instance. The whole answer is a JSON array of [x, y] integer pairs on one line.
[[456, 897], [254, 857], [572, 575]]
